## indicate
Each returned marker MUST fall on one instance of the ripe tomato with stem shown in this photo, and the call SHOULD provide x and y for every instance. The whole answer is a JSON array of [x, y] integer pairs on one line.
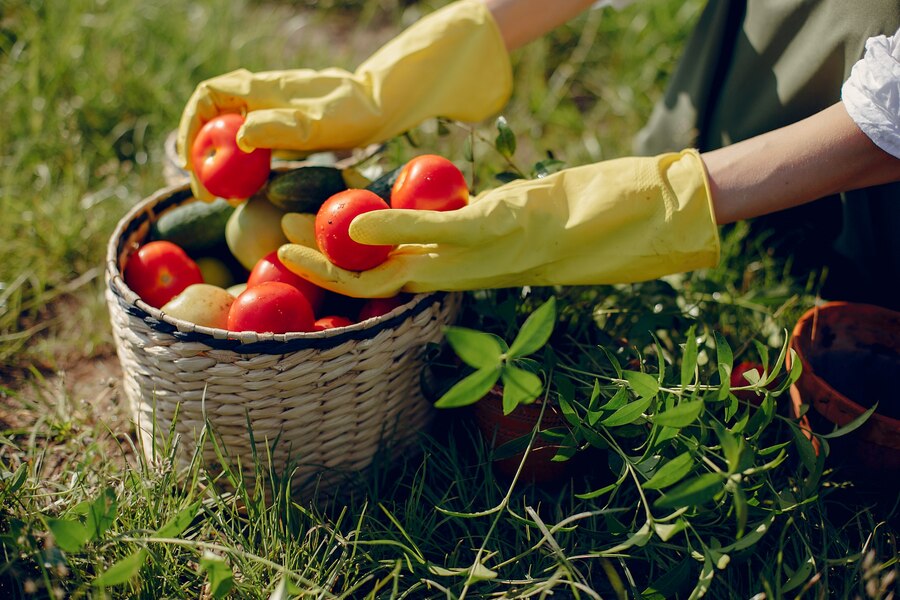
[[430, 182], [221, 166]]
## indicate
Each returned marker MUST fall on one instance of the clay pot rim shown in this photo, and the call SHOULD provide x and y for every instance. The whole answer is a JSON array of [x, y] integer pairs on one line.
[[795, 344]]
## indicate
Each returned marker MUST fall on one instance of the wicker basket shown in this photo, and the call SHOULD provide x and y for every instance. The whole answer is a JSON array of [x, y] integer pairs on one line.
[[325, 403]]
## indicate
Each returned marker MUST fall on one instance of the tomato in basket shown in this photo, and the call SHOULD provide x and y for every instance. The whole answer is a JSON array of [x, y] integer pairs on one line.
[[270, 268], [159, 271], [271, 307], [333, 230]]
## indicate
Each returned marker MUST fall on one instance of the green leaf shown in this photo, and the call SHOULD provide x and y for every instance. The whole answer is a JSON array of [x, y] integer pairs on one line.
[[594, 402], [177, 524], [519, 387], [763, 351], [804, 448], [682, 415], [852, 425], [732, 446], [664, 434], [548, 166], [796, 368], [475, 348], [514, 447], [670, 583], [564, 453], [644, 385], [756, 534], [800, 576], [221, 578], [671, 472], [507, 176], [752, 376], [565, 407], [724, 382], [732, 407], [773, 372], [740, 509], [605, 489], [704, 580], [628, 413], [724, 355], [724, 361], [692, 492], [689, 358], [102, 513], [70, 535], [13, 480], [122, 571], [471, 389], [619, 399], [639, 539], [479, 572], [613, 361], [666, 531], [506, 139], [660, 353], [535, 331]]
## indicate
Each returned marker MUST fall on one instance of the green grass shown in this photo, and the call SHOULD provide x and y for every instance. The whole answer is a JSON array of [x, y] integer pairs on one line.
[[90, 90]]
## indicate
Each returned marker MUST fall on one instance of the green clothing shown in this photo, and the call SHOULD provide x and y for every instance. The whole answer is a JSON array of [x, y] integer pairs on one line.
[[755, 65]]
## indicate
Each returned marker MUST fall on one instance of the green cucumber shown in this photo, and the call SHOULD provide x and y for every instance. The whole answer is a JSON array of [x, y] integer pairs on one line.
[[195, 226], [304, 189]]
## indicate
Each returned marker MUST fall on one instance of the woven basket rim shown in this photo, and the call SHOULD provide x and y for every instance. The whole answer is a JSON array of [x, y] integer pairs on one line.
[[244, 341]]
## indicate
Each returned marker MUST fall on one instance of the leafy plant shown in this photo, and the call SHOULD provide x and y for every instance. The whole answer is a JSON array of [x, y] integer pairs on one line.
[[494, 360]]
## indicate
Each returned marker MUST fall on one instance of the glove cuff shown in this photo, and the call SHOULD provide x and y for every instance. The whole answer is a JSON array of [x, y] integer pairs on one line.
[[452, 63], [686, 174]]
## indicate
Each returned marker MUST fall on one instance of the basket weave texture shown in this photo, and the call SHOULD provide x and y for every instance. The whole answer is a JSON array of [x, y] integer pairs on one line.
[[324, 402]]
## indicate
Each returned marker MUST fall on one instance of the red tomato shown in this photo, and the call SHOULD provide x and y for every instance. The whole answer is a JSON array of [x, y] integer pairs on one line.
[[330, 322], [430, 182], [271, 307], [738, 380], [375, 307], [332, 230], [269, 268], [159, 271], [221, 166]]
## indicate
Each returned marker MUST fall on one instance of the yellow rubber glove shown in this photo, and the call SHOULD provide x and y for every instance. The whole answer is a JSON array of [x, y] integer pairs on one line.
[[619, 221], [452, 63]]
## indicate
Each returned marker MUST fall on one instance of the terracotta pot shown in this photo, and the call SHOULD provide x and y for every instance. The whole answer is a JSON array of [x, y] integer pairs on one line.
[[850, 355], [498, 429]]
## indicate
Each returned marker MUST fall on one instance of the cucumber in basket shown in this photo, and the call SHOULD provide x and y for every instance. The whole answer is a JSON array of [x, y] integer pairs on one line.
[[304, 189], [195, 226], [382, 186]]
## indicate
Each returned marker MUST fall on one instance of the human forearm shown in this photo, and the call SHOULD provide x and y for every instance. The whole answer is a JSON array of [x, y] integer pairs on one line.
[[522, 21], [821, 155]]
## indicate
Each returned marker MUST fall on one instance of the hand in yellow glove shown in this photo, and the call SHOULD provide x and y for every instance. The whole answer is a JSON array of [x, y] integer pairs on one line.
[[452, 63], [619, 221]]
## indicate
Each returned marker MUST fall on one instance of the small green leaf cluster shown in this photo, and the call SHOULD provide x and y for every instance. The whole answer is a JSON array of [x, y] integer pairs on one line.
[[493, 360]]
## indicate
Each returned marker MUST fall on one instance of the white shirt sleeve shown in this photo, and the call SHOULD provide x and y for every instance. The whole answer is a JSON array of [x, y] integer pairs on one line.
[[872, 93]]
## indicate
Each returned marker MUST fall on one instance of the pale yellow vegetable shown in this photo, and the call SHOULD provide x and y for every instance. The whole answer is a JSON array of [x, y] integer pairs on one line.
[[201, 304], [236, 289], [215, 272], [253, 230]]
